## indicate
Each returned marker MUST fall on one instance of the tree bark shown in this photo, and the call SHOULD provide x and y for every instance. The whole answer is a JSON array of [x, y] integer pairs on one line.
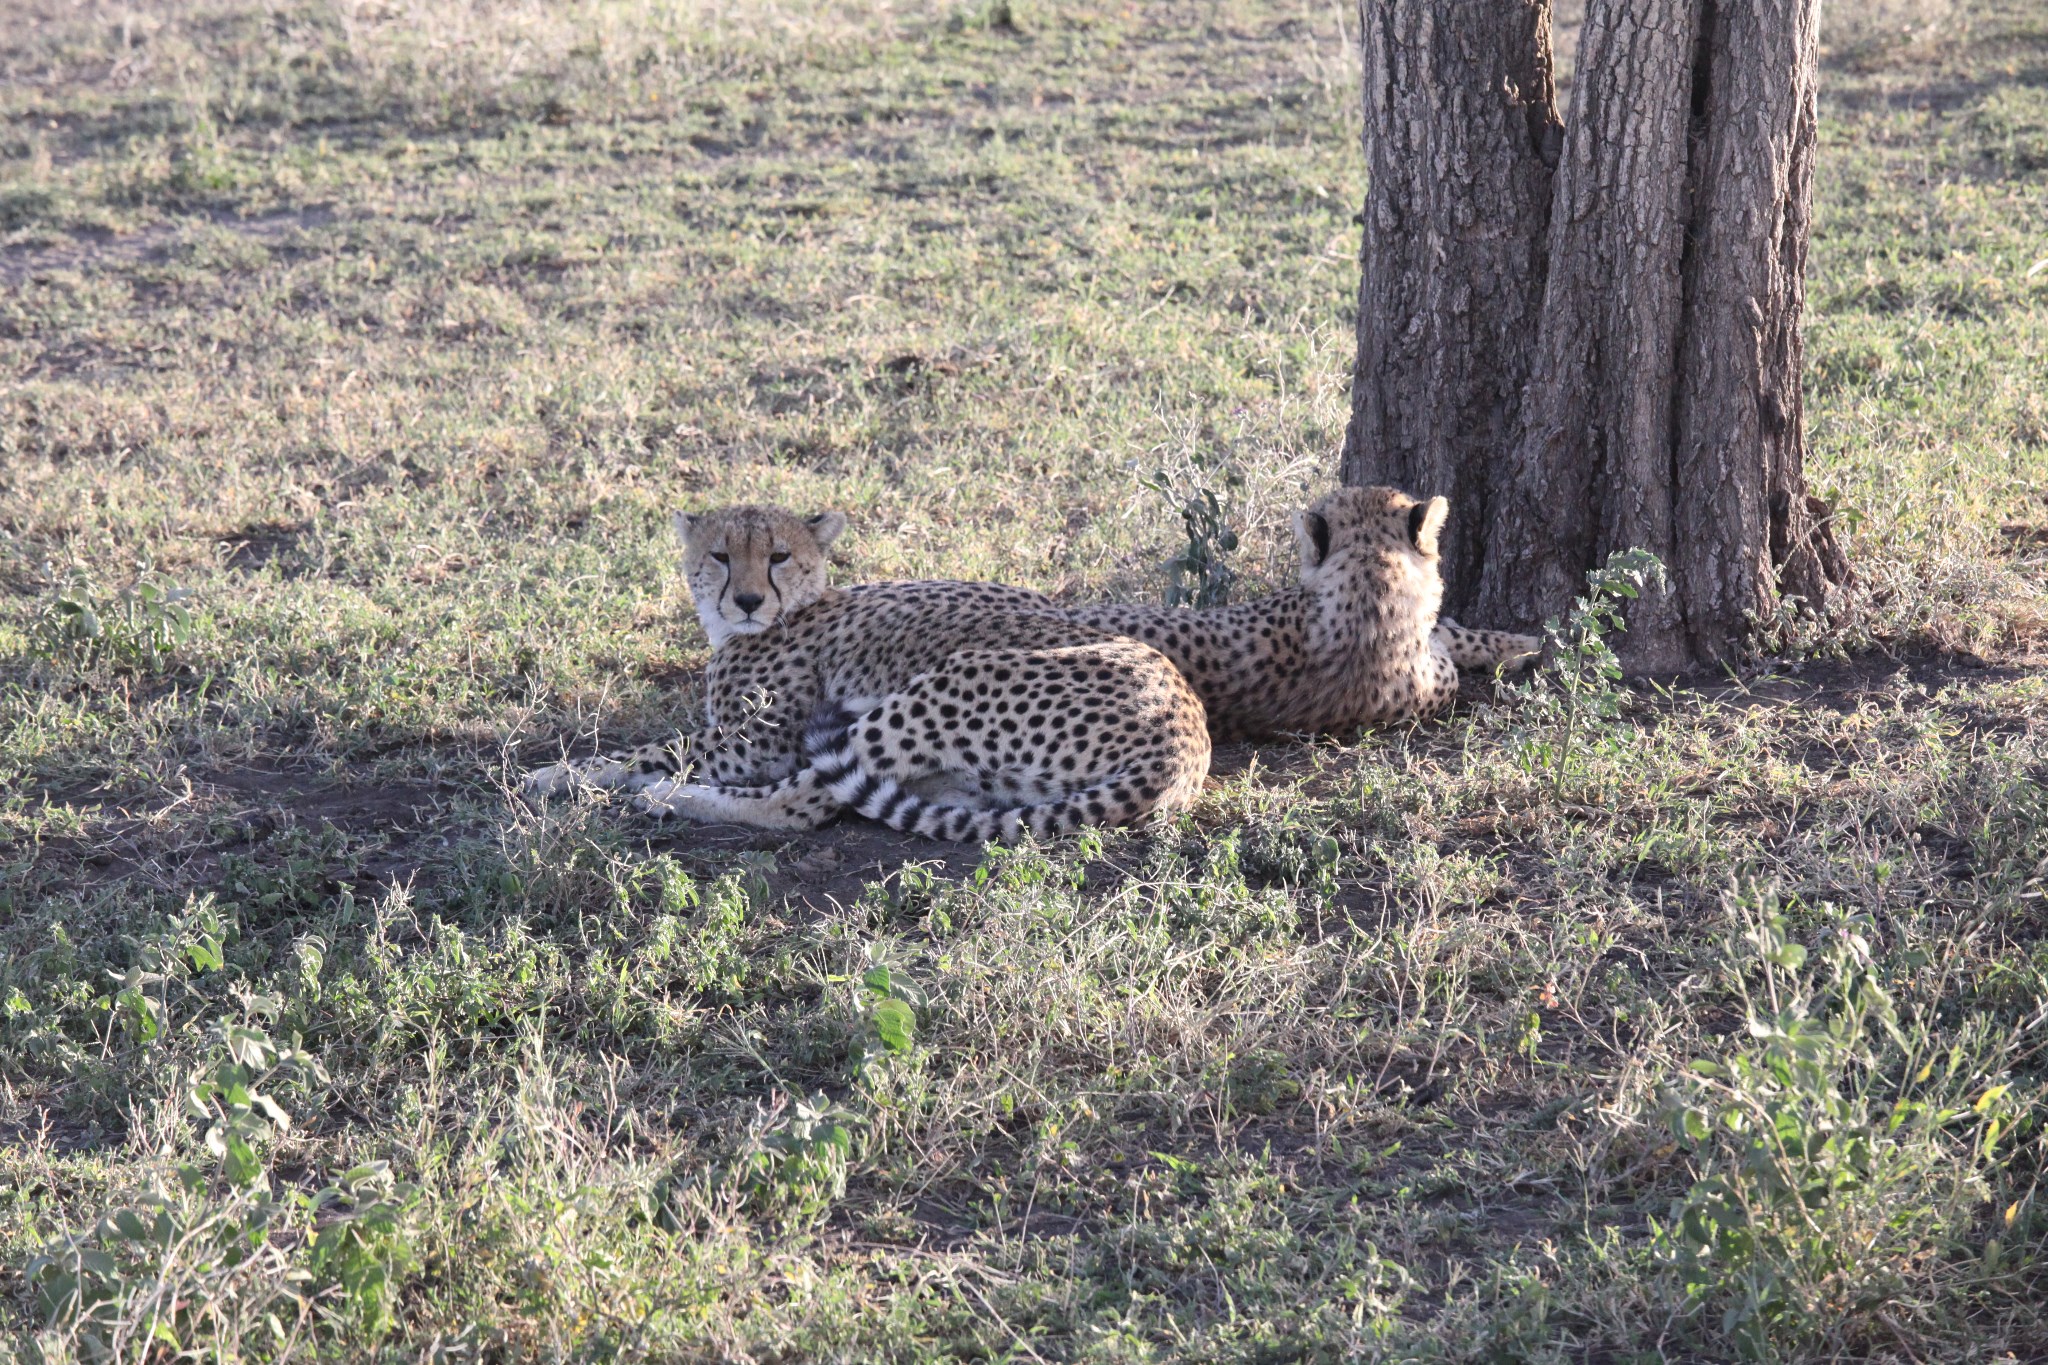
[[1589, 471], [1460, 134], [1661, 360], [1747, 529]]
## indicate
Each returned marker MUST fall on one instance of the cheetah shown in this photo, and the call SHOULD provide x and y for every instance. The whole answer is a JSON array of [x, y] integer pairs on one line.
[[949, 710], [1359, 642]]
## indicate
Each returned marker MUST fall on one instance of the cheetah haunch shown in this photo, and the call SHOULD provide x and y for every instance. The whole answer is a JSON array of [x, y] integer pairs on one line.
[[1358, 642], [951, 710]]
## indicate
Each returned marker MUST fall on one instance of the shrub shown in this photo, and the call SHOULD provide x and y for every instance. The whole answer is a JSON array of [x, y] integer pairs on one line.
[[1845, 1148], [134, 630]]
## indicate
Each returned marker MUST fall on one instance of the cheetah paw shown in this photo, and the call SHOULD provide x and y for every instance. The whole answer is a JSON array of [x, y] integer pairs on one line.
[[667, 800], [1521, 652], [552, 780]]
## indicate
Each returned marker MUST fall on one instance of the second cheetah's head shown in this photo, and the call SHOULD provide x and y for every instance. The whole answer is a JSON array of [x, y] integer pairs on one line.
[[1352, 530], [749, 567]]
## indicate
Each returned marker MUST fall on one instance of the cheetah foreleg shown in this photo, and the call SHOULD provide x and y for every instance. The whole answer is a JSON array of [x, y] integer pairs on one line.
[[731, 754], [799, 802], [628, 769]]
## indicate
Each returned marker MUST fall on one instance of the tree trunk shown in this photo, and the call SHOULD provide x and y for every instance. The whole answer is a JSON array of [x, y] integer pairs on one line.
[[1661, 406], [1747, 529], [1589, 471], [1460, 134]]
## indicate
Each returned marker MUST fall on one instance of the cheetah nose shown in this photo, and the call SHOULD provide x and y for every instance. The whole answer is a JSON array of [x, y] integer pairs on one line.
[[747, 601]]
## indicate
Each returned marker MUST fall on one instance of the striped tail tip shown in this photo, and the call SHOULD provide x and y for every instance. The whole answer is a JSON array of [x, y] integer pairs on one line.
[[827, 727], [828, 745]]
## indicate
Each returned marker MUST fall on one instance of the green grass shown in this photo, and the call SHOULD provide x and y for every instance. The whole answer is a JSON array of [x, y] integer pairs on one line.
[[392, 334]]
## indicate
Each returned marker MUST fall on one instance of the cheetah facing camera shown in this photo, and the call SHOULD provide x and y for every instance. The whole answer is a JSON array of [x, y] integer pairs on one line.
[[951, 710], [1357, 643]]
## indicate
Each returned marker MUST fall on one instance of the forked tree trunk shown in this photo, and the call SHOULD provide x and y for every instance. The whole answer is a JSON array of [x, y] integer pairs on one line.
[[1661, 405]]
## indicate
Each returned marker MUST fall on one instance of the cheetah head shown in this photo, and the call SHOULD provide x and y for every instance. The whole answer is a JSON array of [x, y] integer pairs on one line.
[[1355, 530], [749, 567]]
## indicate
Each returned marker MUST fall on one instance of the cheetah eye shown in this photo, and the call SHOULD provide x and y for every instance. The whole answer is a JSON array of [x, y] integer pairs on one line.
[[720, 556], [778, 556]]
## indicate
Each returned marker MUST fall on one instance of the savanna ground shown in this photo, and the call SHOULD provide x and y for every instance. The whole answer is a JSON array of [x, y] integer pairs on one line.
[[392, 333]]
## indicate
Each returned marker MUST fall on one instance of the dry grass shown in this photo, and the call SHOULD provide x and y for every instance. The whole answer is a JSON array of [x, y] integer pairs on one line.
[[395, 333]]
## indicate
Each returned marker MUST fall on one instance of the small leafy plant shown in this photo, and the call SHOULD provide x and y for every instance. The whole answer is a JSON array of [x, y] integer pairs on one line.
[[797, 1168], [231, 1096], [211, 1255], [175, 1267], [1210, 903], [363, 1249], [889, 1003], [1847, 1141], [703, 928], [1201, 574], [1580, 692], [134, 630], [165, 957]]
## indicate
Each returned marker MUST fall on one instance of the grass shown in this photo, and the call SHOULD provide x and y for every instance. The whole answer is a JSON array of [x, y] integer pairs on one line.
[[361, 352]]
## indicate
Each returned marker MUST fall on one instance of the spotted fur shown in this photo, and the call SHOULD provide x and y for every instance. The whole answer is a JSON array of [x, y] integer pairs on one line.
[[1081, 728], [1482, 649], [1358, 642], [1007, 742]]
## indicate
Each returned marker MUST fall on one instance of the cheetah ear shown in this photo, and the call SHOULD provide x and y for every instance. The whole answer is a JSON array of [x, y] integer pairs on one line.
[[1312, 534], [687, 525], [825, 527], [1426, 523]]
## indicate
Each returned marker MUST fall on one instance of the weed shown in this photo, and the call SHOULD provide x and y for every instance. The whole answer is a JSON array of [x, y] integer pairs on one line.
[[166, 956], [176, 1269], [798, 1164], [888, 1004], [1579, 693], [221, 1253], [363, 1245], [1200, 575], [1210, 903], [1847, 1142], [134, 630], [696, 940]]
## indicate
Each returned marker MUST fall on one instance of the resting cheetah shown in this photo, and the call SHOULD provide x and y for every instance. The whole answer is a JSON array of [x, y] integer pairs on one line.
[[1358, 643], [977, 711]]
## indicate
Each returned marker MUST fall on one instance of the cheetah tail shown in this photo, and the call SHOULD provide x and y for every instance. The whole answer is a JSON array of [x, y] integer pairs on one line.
[[1469, 648], [829, 747]]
